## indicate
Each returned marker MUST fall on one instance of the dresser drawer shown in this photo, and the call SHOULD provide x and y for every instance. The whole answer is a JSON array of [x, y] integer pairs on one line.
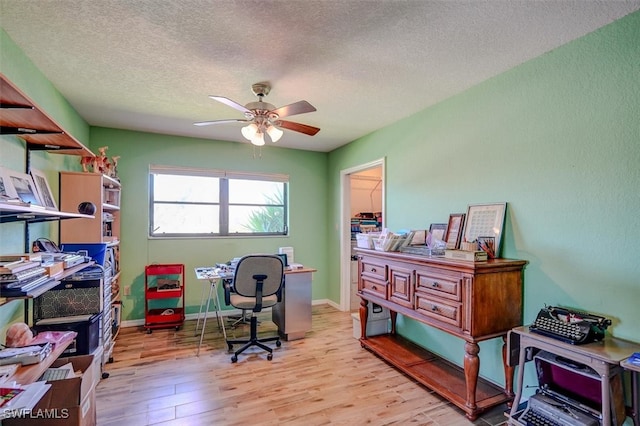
[[375, 287], [439, 309], [373, 269], [439, 285]]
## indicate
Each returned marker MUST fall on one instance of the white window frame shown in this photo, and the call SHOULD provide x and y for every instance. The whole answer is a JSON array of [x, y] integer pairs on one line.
[[224, 176]]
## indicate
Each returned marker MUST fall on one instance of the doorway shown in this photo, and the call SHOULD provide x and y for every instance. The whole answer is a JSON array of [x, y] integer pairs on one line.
[[362, 197]]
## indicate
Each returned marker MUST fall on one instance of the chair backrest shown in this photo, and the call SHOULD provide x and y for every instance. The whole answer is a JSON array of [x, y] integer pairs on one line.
[[258, 267]]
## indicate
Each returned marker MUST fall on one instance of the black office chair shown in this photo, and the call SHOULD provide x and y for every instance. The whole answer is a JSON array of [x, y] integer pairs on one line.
[[257, 284]]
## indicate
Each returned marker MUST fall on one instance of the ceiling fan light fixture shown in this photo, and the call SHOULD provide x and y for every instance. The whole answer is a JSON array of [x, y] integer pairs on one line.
[[274, 133], [262, 117], [249, 131], [258, 139]]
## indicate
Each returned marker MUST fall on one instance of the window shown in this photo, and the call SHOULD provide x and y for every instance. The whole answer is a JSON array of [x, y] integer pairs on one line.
[[203, 203]]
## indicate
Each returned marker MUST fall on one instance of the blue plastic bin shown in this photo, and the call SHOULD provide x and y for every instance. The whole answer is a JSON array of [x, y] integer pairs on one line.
[[97, 251]]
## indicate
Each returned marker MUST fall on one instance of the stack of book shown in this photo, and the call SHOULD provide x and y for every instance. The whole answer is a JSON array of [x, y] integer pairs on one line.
[[20, 277], [471, 256]]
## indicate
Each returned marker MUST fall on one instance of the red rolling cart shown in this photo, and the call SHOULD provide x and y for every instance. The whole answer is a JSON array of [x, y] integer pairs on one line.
[[164, 296]]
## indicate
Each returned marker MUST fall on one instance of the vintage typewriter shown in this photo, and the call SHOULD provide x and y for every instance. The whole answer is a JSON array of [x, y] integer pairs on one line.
[[544, 410], [570, 326]]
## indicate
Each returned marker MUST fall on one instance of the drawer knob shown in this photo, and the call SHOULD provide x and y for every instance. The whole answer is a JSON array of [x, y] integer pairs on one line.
[[373, 270], [434, 308], [435, 284], [373, 287]]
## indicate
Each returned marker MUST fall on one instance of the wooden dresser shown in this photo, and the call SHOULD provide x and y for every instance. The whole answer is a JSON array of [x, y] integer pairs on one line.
[[474, 301]]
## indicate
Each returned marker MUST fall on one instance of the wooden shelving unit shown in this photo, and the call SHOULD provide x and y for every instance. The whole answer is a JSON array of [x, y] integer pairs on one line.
[[20, 116], [104, 228]]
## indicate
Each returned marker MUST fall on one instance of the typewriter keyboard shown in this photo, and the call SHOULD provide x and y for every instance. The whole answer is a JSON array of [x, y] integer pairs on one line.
[[568, 332], [532, 418]]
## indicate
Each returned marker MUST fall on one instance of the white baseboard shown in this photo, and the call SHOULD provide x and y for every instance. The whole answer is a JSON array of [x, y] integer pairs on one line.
[[225, 313]]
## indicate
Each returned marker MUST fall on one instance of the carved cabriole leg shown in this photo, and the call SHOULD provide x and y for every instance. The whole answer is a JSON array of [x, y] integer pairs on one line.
[[364, 314], [508, 372], [471, 370], [393, 315]]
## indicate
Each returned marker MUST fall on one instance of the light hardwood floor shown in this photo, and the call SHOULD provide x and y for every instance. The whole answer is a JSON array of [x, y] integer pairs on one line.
[[325, 378]]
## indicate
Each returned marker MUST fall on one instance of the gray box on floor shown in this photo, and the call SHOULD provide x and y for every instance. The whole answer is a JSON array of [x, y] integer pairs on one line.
[[379, 321]]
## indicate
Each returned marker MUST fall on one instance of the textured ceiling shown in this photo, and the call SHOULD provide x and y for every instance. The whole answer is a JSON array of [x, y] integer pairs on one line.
[[150, 65]]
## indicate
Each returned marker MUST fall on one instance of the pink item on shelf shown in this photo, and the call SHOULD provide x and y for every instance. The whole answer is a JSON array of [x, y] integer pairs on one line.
[[53, 337]]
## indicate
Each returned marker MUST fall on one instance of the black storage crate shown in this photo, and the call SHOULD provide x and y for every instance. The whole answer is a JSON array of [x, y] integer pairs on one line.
[[87, 327]]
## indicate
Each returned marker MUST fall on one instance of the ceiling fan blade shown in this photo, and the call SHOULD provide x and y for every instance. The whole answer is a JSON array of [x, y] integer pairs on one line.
[[298, 127], [299, 107], [229, 102], [208, 123]]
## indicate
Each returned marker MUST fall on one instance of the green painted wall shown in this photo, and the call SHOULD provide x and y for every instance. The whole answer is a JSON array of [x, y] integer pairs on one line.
[[307, 193], [558, 138]]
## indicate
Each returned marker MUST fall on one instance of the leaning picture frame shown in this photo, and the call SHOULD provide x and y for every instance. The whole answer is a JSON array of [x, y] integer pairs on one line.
[[485, 220], [24, 187], [437, 231], [453, 236], [43, 189], [7, 191]]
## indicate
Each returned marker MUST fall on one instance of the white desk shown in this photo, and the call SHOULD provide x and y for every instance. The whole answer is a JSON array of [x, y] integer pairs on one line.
[[209, 275]]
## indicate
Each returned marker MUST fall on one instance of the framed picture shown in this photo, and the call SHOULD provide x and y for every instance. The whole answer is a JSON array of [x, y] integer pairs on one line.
[[488, 245], [437, 231], [7, 191], [485, 220], [453, 236], [43, 189], [24, 187]]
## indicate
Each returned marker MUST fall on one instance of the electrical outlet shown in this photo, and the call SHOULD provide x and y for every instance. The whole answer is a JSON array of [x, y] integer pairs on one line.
[[127, 290]]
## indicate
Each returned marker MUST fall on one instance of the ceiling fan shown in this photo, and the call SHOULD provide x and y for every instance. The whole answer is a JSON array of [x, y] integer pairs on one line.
[[262, 117]]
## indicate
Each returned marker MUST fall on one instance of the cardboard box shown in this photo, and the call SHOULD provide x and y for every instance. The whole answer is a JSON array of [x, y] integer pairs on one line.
[[69, 402]]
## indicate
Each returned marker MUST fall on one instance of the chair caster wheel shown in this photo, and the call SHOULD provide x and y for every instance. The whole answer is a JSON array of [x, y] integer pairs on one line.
[[278, 343], [230, 348], [270, 357], [149, 331], [234, 359]]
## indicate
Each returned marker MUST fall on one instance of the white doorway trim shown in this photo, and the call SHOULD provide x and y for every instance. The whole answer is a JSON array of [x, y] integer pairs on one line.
[[345, 225]]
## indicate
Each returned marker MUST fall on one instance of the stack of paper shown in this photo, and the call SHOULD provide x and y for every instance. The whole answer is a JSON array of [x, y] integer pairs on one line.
[[15, 398]]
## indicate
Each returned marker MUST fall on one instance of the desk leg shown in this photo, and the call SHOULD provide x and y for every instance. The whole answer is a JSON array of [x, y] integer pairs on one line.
[[508, 371], [635, 395], [204, 288], [219, 315], [606, 400], [520, 383], [212, 286], [471, 370]]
